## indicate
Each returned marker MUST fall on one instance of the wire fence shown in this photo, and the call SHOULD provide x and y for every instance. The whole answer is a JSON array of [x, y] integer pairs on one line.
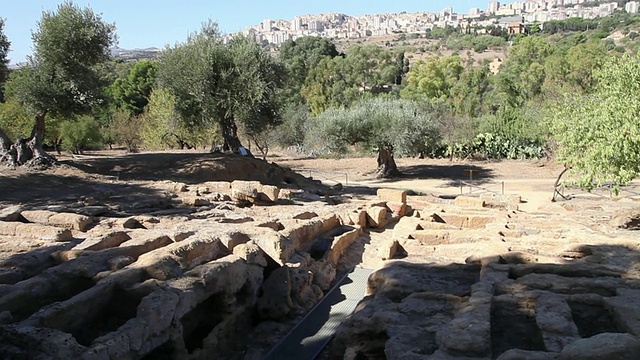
[[608, 190], [480, 187]]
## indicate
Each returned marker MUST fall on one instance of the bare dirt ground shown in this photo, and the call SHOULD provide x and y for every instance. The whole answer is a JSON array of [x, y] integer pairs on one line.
[[133, 173], [532, 180]]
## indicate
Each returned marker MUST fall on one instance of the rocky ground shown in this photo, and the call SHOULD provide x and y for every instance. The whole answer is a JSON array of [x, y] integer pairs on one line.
[[199, 256]]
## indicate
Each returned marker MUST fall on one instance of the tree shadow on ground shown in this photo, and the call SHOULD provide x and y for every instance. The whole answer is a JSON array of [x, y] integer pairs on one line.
[[453, 173], [184, 167], [44, 189]]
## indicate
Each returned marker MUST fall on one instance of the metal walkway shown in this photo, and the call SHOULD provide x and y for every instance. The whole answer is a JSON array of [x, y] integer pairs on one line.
[[309, 337]]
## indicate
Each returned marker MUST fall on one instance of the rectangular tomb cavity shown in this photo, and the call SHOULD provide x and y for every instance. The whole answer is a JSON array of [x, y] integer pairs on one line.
[[121, 306], [591, 319], [513, 326], [198, 323]]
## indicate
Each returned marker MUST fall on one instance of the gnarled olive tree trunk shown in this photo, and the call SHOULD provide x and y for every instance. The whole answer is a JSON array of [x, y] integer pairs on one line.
[[28, 150], [387, 167], [230, 135]]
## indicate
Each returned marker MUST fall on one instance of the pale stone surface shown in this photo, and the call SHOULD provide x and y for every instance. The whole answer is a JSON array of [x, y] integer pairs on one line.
[[37, 231], [245, 190], [65, 220], [377, 217], [392, 195], [37, 216], [469, 202], [341, 242], [70, 221], [196, 201], [269, 193], [251, 253], [397, 208], [10, 213], [112, 239], [629, 220]]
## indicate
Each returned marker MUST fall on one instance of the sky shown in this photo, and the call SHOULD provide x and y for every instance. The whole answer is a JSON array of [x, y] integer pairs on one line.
[[156, 23]]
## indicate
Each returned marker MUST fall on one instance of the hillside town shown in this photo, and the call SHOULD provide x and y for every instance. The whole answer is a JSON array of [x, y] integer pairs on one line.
[[505, 15]]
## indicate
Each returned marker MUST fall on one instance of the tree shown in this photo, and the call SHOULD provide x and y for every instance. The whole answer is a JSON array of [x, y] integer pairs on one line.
[[132, 93], [162, 126], [433, 79], [4, 61], [126, 129], [60, 78], [300, 56], [523, 73], [387, 126], [80, 134], [364, 72], [598, 134], [223, 84]]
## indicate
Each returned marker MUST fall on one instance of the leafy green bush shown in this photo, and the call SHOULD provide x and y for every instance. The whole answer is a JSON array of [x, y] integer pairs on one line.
[[293, 128], [81, 134], [398, 125]]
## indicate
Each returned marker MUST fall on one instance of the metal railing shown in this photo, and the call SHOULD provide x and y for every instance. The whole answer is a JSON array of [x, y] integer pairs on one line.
[[479, 186]]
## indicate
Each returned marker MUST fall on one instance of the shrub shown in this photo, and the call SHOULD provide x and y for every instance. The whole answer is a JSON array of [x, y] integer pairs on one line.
[[80, 134]]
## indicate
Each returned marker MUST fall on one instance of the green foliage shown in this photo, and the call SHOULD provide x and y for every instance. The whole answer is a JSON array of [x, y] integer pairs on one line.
[[81, 134], [598, 134], [162, 127], [571, 24], [60, 77], [433, 79], [15, 120], [230, 85], [126, 129], [300, 56], [477, 42], [132, 92], [396, 125], [364, 72], [4, 60], [523, 74], [440, 33], [496, 146], [294, 127]]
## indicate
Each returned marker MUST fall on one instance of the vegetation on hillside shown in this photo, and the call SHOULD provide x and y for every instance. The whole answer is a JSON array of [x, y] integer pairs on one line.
[[565, 89]]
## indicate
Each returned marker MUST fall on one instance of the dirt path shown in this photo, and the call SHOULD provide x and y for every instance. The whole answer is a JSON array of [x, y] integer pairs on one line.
[[532, 180]]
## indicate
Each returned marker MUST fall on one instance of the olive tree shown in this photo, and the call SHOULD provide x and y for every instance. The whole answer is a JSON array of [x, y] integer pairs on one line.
[[598, 134], [223, 84], [60, 78], [387, 126]]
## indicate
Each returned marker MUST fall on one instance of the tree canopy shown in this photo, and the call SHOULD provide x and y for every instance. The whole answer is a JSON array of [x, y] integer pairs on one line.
[[301, 56], [341, 81], [387, 126], [60, 76], [232, 85], [598, 134], [132, 92]]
